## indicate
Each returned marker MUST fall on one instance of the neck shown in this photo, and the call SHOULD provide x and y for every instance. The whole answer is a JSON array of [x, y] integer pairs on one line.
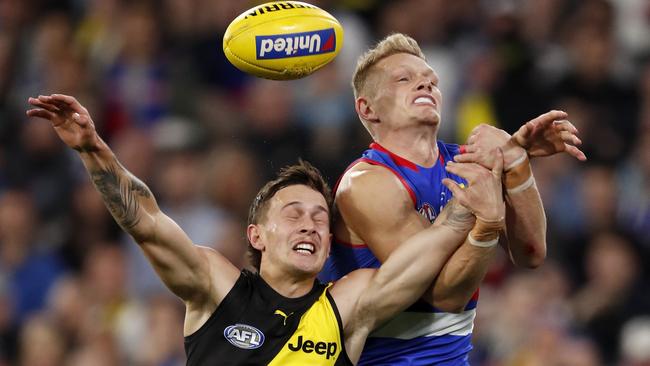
[[286, 284], [418, 145]]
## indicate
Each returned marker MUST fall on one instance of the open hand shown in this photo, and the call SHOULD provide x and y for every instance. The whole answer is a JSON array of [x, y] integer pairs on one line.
[[549, 134], [484, 193], [70, 120]]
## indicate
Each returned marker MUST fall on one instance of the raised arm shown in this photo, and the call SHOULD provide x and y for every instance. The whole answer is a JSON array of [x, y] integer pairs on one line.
[[198, 275], [411, 268], [548, 134]]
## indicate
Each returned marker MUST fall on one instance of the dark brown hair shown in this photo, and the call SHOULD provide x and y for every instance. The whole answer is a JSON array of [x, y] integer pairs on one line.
[[302, 173]]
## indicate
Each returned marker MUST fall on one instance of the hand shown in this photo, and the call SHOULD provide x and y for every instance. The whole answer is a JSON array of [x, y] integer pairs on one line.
[[484, 194], [481, 145], [549, 134], [70, 120]]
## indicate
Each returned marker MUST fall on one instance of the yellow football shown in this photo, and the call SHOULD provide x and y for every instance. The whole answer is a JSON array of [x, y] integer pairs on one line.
[[283, 40]]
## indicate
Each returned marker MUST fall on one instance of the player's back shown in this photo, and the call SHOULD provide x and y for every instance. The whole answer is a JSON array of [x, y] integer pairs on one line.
[[422, 334]]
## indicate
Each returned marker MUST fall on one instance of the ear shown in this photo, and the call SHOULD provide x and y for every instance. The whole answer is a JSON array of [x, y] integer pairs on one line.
[[365, 110], [331, 236], [254, 234]]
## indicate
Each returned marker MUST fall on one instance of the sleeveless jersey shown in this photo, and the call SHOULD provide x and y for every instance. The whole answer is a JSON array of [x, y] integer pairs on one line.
[[254, 325], [422, 334]]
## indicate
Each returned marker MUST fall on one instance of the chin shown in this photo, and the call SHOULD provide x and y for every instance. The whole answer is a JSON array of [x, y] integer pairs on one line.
[[433, 121], [306, 272]]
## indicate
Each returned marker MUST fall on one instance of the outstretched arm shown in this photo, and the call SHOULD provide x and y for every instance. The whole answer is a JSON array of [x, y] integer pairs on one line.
[[186, 269], [411, 268], [546, 135]]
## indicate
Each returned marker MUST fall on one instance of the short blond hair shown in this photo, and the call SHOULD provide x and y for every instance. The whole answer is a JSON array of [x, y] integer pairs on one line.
[[393, 44]]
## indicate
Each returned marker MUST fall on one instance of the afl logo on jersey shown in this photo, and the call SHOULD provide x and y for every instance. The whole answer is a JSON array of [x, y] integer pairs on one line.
[[427, 212], [244, 336]]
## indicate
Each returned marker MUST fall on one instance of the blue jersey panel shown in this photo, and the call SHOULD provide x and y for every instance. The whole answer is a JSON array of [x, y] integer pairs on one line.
[[446, 350], [432, 336]]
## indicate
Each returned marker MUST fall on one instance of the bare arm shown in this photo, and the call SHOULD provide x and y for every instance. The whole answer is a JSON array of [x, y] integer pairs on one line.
[[362, 198], [411, 268], [185, 268]]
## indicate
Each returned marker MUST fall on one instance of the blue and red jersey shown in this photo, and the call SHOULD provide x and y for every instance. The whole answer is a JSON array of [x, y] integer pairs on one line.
[[422, 334]]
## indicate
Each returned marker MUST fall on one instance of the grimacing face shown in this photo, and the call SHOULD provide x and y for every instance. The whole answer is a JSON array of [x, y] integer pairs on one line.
[[406, 92], [295, 234]]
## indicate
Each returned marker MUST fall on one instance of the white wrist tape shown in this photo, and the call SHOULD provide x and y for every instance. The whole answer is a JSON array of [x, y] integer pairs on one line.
[[523, 186], [482, 244], [518, 161]]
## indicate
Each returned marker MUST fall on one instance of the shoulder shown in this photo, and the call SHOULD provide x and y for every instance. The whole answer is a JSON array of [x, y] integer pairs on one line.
[[346, 292], [222, 274], [368, 180]]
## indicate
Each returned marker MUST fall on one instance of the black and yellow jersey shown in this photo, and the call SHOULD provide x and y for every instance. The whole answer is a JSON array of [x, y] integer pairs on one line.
[[254, 325]]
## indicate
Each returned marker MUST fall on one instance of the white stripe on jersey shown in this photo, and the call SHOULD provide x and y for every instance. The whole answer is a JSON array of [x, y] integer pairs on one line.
[[409, 325]]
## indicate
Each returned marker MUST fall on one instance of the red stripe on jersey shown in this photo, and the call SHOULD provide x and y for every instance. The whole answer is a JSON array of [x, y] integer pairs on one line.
[[401, 179], [396, 158], [349, 245]]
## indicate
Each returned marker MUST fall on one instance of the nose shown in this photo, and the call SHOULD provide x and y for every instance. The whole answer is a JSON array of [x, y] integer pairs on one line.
[[425, 83], [308, 226]]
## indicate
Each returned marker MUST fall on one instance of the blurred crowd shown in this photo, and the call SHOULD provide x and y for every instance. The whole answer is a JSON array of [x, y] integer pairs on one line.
[[74, 290]]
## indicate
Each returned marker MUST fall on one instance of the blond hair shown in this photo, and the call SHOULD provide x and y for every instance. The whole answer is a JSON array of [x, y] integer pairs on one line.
[[393, 44]]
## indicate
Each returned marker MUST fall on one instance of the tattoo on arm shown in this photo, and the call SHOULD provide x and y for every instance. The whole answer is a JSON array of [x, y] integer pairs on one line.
[[122, 194], [458, 218]]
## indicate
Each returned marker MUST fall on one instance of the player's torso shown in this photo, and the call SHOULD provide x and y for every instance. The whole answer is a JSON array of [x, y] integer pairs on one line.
[[421, 335], [254, 325]]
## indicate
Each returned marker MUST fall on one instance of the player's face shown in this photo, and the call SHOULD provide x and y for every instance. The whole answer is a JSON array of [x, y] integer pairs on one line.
[[407, 91], [297, 230]]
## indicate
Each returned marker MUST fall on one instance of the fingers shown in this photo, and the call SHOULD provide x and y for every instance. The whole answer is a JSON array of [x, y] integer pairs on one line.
[[565, 125], [40, 113], [497, 168], [543, 121], [523, 134], [467, 171], [575, 152], [39, 102], [468, 157], [455, 189], [550, 116], [67, 102], [570, 138]]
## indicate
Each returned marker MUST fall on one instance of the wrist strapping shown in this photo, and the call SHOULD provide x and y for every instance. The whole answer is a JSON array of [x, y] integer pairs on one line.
[[522, 187], [517, 162], [486, 232], [483, 244], [518, 175]]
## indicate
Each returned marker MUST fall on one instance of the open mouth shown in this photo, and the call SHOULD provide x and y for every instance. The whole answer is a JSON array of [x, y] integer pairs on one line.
[[305, 248], [425, 100]]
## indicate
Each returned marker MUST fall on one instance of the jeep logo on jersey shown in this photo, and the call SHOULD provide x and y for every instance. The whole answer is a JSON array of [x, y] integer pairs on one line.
[[295, 44], [244, 336], [320, 348]]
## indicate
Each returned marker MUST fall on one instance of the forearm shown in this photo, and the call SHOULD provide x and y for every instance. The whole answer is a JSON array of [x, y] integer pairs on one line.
[[525, 219], [129, 201], [460, 277], [411, 268]]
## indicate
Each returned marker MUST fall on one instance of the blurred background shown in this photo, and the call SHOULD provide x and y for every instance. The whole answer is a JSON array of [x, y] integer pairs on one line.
[[74, 290]]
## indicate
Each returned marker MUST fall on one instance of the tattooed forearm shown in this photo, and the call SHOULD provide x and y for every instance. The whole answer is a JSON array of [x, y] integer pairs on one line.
[[122, 194], [457, 217]]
